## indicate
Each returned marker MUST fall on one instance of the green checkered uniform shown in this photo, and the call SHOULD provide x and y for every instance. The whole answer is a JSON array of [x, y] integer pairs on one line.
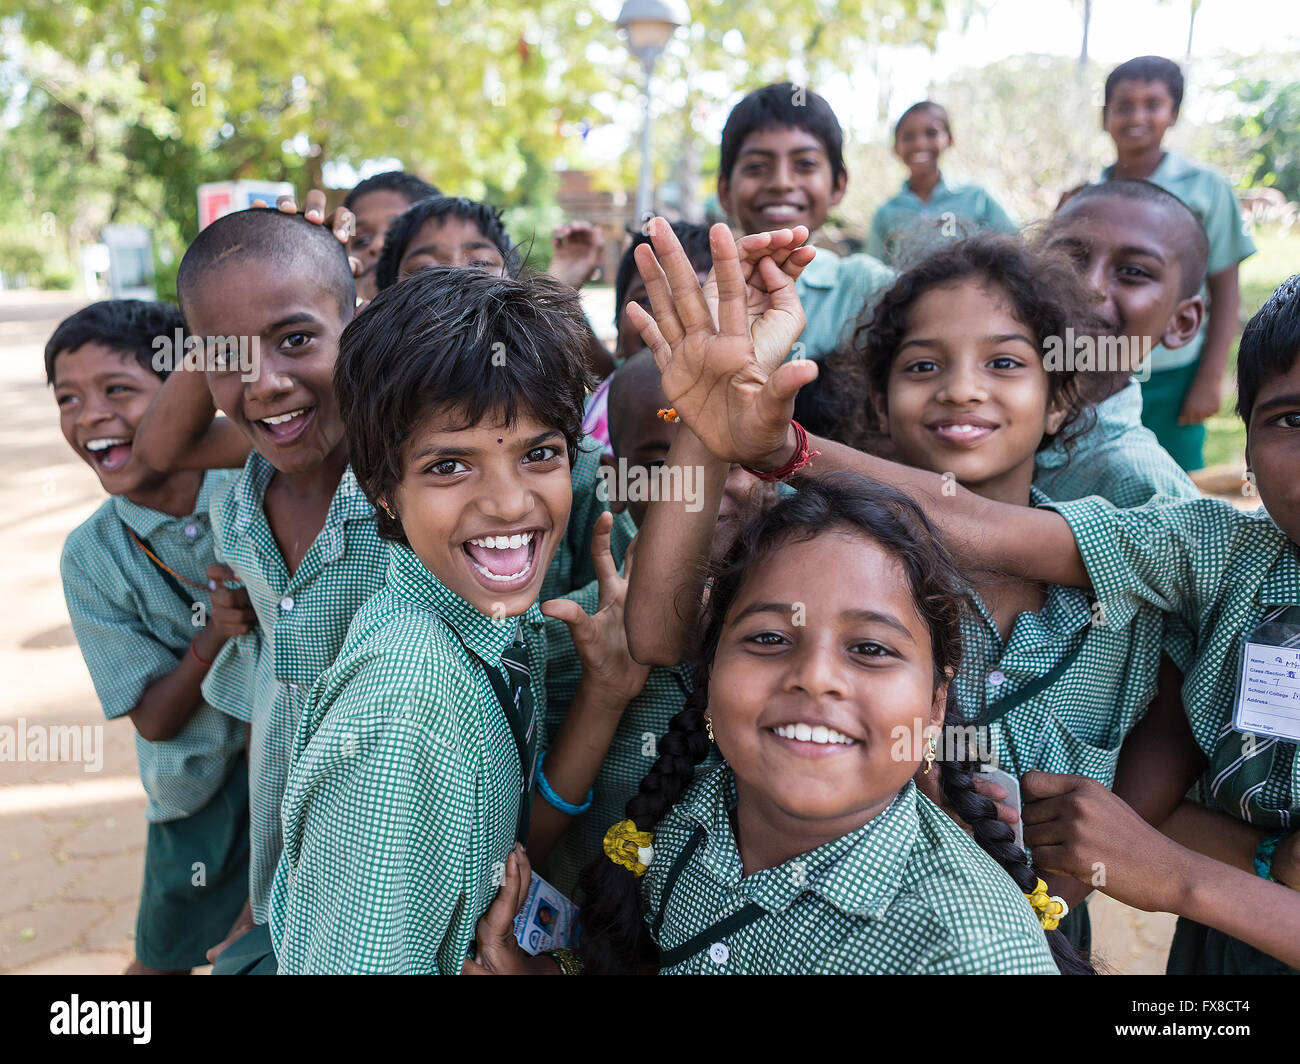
[[402, 802], [833, 290], [1115, 457], [1077, 721], [908, 892], [1220, 571], [133, 629], [905, 226], [303, 619]]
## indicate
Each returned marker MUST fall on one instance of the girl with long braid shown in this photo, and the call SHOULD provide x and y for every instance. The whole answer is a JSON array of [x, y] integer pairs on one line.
[[831, 636]]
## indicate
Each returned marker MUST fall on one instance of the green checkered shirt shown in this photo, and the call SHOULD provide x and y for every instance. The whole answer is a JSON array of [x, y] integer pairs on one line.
[[899, 228], [908, 892], [1117, 457], [401, 805], [1077, 723], [1218, 570], [303, 619], [133, 630]]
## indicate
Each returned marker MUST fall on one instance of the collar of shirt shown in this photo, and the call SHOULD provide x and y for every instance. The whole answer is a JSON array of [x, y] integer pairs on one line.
[[144, 522], [939, 190], [1171, 167], [1115, 416], [859, 873], [485, 636], [348, 504], [823, 271]]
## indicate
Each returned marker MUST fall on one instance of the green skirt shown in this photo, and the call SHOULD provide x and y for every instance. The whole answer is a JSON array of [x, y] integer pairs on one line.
[[1200, 950], [1162, 401], [195, 878]]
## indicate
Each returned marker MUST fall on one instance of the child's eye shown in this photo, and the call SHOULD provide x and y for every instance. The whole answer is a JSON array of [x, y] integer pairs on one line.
[[119, 389], [485, 264], [1291, 421], [768, 639], [446, 468], [542, 454], [869, 648], [64, 400], [1133, 273], [298, 339], [923, 365], [360, 242], [1005, 362]]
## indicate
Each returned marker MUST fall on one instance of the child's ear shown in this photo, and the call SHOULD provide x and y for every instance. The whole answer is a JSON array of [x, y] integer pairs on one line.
[[877, 402], [607, 461], [1184, 323], [939, 704], [724, 194], [837, 189], [1056, 411]]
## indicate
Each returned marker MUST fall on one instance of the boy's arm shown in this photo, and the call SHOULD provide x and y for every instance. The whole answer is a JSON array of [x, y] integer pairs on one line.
[[610, 680], [673, 546], [1206, 394], [1082, 827], [729, 382], [180, 430]]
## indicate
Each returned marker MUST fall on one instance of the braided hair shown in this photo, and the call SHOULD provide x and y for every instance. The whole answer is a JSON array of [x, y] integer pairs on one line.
[[615, 938]]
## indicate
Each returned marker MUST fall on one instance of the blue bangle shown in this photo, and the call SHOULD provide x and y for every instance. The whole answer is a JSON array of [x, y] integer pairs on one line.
[[553, 799], [1264, 856]]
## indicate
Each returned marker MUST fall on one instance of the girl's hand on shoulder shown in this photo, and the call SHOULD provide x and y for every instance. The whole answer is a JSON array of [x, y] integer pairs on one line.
[[929, 785], [497, 950], [1075, 826], [601, 638]]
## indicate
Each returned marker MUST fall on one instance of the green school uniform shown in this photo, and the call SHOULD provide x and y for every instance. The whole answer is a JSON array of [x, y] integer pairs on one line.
[[1115, 457], [1212, 200], [134, 624], [402, 804], [833, 290], [1220, 571], [905, 224], [908, 892], [303, 619]]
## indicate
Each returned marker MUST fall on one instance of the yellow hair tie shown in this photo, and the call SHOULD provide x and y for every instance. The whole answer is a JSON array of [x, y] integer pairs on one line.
[[1050, 909], [631, 849]]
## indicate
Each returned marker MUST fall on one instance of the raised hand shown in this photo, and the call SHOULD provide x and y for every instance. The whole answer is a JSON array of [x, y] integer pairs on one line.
[[788, 248], [728, 381], [497, 952], [578, 247]]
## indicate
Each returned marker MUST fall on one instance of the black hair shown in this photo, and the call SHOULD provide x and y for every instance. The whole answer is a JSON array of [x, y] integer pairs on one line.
[[1043, 288], [615, 938], [695, 242], [399, 181], [129, 326], [1193, 248], [1269, 344], [289, 241], [636, 381], [463, 340], [938, 110], [407, 224], [784, 105], [1147, 68]]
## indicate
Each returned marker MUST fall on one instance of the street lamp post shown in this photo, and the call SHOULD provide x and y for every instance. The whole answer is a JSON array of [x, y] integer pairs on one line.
[[649, 24]]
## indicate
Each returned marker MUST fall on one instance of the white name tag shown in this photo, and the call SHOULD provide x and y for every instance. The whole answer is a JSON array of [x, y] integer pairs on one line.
[[1268, 696], [547, 920]]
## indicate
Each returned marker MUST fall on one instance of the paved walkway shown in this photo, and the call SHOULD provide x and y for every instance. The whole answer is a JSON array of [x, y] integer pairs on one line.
[[71, 840]]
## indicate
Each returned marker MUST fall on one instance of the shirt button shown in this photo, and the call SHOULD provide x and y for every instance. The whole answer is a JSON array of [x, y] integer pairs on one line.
[[718, 953], [996, 677], [191, 530], [286, 603]]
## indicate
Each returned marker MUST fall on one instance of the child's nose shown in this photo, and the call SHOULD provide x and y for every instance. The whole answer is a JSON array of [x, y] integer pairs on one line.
[[817, 670]]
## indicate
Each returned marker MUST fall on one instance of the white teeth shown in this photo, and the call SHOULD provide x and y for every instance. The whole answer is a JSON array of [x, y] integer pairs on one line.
[[104, 444], [502, 579], [808, 733], [280, 419], [504, 542]]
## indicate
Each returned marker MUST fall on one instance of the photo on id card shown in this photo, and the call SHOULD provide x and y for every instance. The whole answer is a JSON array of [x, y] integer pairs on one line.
[[547, 920]]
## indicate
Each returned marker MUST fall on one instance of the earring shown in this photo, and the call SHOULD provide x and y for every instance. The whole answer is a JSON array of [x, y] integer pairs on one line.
[[386, 508], [708, 728], [929, 754]]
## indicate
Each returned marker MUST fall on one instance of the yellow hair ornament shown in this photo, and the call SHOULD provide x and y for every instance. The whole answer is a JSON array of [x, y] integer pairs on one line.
[[1050, 910], [631, 849]]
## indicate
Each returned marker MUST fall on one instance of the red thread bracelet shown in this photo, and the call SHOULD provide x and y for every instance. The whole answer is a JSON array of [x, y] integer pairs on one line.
[[205, 664], [802, 457]]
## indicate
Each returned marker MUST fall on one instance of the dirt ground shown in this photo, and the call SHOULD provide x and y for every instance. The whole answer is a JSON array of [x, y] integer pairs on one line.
[[71, 840]]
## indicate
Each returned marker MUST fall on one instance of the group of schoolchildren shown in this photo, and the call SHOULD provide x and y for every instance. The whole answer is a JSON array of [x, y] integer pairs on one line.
[[389, 642]]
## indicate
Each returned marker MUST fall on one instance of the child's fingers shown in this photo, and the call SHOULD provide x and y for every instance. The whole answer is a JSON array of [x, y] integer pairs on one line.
[[566, 610], [313, 207], [217, 571], [687, 298], [733, 317], [343, 223], [602, 559], [1046, 784], [650, 334], [786, 380], [780, 288], [525, 879], [287, 204], [259, 202], [629, 555], [660, 293]]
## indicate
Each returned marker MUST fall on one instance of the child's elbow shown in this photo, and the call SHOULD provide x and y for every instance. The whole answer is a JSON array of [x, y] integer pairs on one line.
[[647, 650]]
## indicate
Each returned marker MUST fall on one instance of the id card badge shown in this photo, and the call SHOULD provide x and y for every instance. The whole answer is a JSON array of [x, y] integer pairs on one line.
[[1011, 785], [1268, 689], [547, 920]]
